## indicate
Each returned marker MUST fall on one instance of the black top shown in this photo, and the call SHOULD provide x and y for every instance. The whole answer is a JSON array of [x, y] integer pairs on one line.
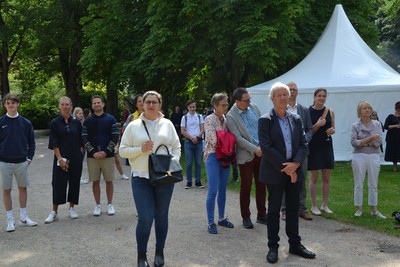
[[67, 137], [392, 152]]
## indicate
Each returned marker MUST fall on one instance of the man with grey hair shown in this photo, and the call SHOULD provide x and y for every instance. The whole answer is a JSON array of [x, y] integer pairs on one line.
[[283, 145]]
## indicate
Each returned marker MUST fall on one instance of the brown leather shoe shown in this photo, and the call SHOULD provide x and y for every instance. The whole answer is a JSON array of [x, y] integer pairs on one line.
[[306, 216], [283, 217]]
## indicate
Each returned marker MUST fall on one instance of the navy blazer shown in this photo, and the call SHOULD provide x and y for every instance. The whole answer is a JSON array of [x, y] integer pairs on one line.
[[274, 150]]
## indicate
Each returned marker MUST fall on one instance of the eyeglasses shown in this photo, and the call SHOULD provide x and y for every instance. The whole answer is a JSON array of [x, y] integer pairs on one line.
[[148, 102], [224, 105], [246, 101], [67, 130]]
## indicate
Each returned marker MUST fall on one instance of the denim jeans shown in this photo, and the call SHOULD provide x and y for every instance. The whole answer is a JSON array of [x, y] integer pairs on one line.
[[152, 204], [193, 152], [217, 182]]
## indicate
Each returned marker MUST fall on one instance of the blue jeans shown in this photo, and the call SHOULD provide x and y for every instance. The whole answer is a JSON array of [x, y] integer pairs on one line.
[[152, 204], [217, 182], [193, 152]]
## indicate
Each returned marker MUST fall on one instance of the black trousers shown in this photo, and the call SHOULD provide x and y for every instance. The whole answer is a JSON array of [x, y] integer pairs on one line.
[[275, 193], [67, 179]]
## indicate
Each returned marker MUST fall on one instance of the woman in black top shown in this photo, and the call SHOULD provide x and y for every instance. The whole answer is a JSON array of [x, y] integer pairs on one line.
[[65, 140], [392, 125]]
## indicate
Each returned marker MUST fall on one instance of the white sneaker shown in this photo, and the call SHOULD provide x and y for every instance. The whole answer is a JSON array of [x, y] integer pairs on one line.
[[84, 180], [72, 213], [358, 213], [124, 177], [51, 218], [378, 215], [97, 210], [27, 222], [110, 209], [10, 225]]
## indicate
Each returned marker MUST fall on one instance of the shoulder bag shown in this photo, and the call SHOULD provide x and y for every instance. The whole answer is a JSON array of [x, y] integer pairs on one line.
[[162, 169]]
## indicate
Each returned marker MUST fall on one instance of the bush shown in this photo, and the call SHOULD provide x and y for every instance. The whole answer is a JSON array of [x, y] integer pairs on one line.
[[39, 114]]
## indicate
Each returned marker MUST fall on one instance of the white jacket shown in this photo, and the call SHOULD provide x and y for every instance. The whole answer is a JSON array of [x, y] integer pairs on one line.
[[163, 133]]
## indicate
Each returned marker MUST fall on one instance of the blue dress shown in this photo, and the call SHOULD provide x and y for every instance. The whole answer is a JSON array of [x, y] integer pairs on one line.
[[320, 147]]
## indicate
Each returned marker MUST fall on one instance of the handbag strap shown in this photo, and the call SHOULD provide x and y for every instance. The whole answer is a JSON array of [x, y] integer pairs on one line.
[[323, 117], [325, 113], [147, 131], [166, 148]]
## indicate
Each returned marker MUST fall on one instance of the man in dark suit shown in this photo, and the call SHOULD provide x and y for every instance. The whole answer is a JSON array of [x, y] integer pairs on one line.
[[283, 145], [304, 114]]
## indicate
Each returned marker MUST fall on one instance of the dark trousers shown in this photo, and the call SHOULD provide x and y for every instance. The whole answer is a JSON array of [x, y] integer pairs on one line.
[[67, 179], [275, 193], [247, 172], [303, 192]]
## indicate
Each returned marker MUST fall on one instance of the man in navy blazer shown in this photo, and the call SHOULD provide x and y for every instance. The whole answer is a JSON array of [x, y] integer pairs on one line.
[[283, 144]]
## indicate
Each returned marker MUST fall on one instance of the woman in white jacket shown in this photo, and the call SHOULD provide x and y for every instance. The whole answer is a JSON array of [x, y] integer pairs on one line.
[[152, 202]]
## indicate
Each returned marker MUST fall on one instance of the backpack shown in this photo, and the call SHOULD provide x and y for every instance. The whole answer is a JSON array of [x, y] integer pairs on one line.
[[225, 148]]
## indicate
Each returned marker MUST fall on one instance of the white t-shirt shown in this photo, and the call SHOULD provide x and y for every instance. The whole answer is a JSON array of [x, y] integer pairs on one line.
[[192, 124]]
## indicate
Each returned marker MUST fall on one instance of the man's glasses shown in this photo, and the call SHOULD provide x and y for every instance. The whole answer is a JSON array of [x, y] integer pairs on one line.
[[246, 101], [148, 102], [67, 130]]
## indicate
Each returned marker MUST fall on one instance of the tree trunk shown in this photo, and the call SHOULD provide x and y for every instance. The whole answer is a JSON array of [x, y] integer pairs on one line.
[[70, 73], [4, 82], [112, 99]]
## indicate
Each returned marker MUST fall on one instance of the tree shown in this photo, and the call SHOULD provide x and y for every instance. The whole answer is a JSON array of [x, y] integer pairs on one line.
[[231, 44], [60, 42], [14, 24], [114, 30], [389, 25]]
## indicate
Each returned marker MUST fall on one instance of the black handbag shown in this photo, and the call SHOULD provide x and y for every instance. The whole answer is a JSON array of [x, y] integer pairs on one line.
[[162, 169]]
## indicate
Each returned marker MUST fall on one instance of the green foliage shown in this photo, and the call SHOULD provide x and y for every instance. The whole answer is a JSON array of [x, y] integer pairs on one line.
[[183, 49], [388, 23], [40, 114]]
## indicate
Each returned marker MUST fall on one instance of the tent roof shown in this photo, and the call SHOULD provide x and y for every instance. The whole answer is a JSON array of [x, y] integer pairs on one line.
[[340, 61]]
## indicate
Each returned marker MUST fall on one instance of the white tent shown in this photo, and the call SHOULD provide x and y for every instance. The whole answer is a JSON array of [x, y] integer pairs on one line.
[[342, 63]]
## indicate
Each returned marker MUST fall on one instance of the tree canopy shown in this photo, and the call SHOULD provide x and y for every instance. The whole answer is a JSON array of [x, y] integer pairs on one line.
[[183, 49]]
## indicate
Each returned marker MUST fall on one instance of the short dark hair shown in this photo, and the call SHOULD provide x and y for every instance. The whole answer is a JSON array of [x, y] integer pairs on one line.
[[86, 112], [238, 93], [97, 96], [189, 102], [10, 96], [397, 105]]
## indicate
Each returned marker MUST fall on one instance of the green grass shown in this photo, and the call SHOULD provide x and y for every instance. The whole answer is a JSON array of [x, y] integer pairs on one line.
[[341, 197]]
